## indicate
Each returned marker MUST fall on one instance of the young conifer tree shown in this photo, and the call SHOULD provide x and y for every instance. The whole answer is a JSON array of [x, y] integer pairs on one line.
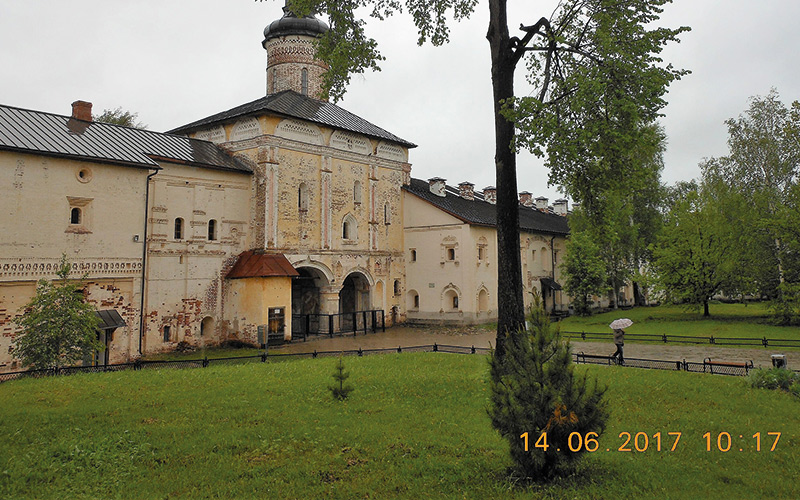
[[534, 390], [339, 389]]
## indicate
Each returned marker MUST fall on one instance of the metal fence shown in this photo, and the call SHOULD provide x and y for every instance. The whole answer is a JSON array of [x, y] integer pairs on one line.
[[687, 339], [304, 325], [707, 366]]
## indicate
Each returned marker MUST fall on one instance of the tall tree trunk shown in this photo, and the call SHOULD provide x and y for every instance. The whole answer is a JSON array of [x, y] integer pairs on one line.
[[705, 308], [510, 307]]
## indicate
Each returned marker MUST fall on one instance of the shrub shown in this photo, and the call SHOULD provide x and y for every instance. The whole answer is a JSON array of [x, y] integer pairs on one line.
[[237, 344], [775, 378], [534, 390]]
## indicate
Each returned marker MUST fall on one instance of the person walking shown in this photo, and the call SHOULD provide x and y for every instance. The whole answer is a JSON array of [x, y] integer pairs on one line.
[[619, 338]]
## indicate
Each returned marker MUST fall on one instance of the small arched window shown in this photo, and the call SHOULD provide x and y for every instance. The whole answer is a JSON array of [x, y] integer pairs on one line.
[[413, 255], [302, 197], [396, 287], [416, 301], [357, 192], [178, 228], [349, 228], [75, 216], [304, 82], [212, 230]]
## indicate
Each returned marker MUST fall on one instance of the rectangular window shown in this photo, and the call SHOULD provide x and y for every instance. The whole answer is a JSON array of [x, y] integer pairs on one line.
[[451, 254], [167, 336], [413, 255]]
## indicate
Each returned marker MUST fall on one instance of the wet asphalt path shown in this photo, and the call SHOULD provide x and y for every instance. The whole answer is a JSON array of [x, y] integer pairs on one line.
[[473, 336]]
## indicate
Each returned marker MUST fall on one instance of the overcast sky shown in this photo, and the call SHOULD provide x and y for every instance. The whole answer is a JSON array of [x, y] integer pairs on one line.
[[176, 61]]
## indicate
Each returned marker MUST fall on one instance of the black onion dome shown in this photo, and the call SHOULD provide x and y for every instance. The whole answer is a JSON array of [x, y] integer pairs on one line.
[[290, 24]]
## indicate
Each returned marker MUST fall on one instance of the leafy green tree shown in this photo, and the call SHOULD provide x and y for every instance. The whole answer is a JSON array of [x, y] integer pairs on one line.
[[588, 45], [584, 271], [120, 117], [535, 390], [761, 171], [58, 326], [694, 254]]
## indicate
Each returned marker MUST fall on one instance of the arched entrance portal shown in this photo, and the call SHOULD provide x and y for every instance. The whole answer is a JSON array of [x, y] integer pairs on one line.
[[355, 294], [306, 298]]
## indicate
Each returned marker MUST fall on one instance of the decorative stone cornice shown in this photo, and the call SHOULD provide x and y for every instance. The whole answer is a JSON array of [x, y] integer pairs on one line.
[[301, 147]]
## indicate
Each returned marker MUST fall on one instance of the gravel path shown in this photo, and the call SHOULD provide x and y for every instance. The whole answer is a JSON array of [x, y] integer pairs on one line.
[[469, 336]]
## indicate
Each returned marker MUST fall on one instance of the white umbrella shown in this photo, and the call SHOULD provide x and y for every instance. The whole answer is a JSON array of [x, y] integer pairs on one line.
[[619, 324]]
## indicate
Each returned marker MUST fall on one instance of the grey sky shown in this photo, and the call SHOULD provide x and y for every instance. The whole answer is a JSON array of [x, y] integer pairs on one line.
[[175, 61]]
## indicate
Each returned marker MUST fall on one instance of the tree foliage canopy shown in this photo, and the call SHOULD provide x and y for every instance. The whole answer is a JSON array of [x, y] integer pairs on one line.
[[584, 271], [58, 326], [120, 117]]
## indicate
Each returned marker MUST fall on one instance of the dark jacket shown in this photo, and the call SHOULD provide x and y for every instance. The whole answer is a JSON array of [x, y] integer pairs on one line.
[[619, 337]]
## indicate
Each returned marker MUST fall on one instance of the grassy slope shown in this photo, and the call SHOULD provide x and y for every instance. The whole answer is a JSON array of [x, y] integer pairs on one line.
[[415, 427], [727, 320]]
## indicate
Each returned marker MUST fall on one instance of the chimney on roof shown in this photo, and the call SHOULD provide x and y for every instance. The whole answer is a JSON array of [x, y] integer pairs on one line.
[[490, 194], [526, 199], [82, 110], [437, 185], [560, 206], [466, 190], [541, 203]]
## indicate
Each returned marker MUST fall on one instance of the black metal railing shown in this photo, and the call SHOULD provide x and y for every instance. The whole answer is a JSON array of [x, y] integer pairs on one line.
[[304, 325], [687, 339], [707, 366]]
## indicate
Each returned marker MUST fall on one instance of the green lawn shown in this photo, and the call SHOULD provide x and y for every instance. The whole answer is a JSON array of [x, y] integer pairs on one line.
[[727, 320], [415, 427]]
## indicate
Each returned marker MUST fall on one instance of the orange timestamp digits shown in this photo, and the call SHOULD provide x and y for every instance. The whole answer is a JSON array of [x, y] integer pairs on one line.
[[642, 442], [639, 441]]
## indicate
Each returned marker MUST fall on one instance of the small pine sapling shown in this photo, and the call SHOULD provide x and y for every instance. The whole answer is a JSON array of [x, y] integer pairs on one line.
[[339, 389], [539, 404]]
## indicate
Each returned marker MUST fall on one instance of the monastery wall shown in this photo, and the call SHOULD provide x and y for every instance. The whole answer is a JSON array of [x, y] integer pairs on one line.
[[91, 212]]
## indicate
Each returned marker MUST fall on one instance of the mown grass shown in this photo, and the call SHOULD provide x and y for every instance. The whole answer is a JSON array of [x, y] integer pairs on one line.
[[415, 427], [727, 320]]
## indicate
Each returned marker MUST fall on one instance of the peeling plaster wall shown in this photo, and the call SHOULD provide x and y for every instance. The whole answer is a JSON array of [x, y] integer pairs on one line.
[[38, 194], [185, 276]]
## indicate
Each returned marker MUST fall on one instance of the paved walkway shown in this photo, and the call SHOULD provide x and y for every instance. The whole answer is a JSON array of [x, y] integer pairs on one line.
[[469, 336]]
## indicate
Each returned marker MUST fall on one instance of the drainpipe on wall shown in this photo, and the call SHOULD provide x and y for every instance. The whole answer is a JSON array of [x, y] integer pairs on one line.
[[553, 268], [144, 258]]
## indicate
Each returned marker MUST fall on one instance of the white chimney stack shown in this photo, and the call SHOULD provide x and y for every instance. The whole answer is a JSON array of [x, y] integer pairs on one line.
[[466, 190], [437, 185], [490, 194], [560, 206]]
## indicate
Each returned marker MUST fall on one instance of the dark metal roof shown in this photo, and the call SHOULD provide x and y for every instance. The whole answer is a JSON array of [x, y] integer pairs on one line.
[[257, 264], [290, 24], [482, 213], [110, 320], [291, 104], [550, 283], [56, 135]]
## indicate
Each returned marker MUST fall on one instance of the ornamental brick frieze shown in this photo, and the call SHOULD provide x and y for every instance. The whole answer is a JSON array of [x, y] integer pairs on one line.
[[268, 155], [159, 209], [34, 269]]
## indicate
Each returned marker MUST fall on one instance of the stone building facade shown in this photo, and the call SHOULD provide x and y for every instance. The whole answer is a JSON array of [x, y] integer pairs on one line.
[[158, 222], [451, 253]]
